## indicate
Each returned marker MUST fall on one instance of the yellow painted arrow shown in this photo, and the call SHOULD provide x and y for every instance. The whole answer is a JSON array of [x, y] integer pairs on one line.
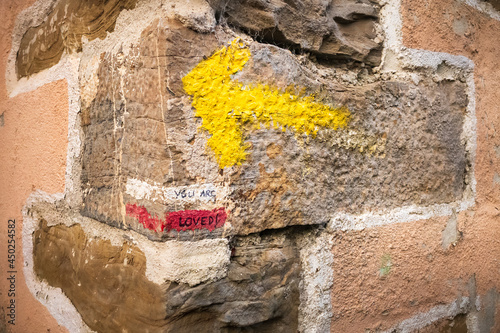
[[226, 105]]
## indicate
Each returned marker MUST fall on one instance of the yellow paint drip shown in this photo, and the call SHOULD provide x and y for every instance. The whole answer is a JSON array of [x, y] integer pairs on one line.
[[226, 105]]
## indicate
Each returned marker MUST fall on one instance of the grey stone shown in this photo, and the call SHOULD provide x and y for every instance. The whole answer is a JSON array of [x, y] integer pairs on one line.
[[402, 146], [266, 300], [333, 29]]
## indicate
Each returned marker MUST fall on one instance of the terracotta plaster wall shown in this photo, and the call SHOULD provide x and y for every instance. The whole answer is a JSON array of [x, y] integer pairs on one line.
[[387, 274], [33, 143], [382, 275]]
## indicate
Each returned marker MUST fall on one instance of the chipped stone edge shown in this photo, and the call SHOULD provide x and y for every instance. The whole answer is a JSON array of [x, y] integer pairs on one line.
[[400, 59], [59, 306], [460, 306], [311, 307], [68, 69], [162, 258], [391, 21]]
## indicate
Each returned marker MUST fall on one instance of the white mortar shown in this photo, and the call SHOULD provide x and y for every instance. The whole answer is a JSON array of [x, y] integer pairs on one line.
[[421, 320], [316, 256], [315, 309], [399, 60]]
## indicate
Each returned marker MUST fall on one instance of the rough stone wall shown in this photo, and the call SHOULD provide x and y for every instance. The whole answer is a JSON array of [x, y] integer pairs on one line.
[[252, 166]]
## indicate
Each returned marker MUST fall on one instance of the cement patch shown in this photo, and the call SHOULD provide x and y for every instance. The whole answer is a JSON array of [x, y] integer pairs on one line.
[[422, 320]]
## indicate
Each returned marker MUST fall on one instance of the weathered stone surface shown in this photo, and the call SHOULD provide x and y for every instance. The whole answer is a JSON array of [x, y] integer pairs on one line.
[[107, 285], [333, 29], [260, 293], [425, 165], [140, 124], [63, 29], [143, 144]]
